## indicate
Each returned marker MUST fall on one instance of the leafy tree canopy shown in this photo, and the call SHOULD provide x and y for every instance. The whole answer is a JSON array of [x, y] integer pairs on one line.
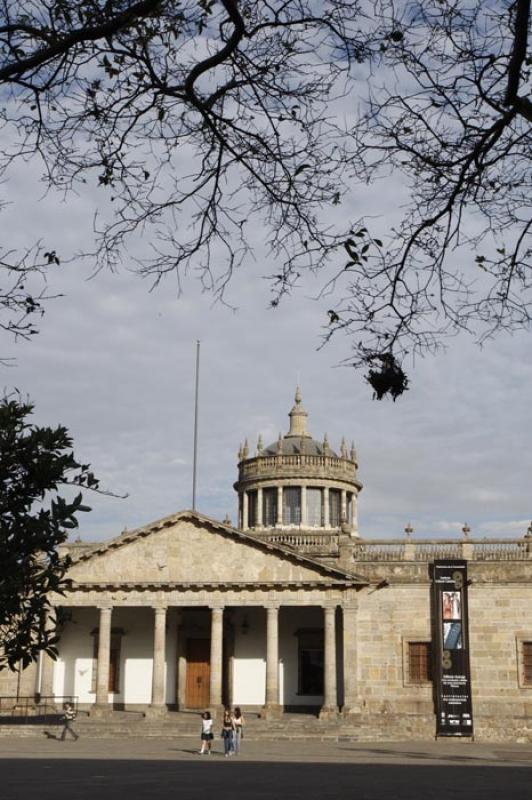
[[34, 519]]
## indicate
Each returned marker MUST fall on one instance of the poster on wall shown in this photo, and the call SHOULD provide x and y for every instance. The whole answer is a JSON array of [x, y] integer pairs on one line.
[[454, 711]]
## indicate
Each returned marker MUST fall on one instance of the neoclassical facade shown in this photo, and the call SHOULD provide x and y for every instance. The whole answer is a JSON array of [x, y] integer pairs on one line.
[[292, 609]]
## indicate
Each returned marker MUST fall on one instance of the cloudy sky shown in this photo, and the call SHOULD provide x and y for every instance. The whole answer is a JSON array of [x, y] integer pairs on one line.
[[114, 362]]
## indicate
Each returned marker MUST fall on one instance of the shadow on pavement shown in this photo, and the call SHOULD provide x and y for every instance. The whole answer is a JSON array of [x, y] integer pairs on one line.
[[197, 779]]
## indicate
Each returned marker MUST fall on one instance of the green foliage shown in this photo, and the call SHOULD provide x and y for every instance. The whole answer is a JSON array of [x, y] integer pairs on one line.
[[34, 521]]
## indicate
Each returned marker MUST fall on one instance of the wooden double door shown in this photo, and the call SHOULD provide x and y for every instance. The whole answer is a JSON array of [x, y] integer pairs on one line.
[[197, 689]]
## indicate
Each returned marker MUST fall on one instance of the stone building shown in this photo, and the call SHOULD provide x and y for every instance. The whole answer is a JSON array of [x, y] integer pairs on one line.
[[292, 609]]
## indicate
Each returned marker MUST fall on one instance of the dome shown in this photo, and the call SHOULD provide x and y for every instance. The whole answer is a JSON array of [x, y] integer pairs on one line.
[[299, 445]]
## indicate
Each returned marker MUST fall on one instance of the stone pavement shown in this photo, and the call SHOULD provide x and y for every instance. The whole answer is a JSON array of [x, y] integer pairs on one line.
[[443, 751], [166, 769]]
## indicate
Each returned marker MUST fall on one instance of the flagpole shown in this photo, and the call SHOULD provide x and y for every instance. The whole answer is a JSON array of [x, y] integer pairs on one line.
[[196, 397]]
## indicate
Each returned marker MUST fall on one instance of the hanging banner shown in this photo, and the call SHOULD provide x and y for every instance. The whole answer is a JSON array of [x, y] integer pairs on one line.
[[454, 713]]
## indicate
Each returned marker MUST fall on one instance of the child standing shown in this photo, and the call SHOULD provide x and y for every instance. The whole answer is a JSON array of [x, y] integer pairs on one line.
[[206, 733], [68, 718]]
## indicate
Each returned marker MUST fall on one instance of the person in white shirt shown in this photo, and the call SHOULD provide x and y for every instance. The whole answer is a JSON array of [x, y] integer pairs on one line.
[[206, 733]]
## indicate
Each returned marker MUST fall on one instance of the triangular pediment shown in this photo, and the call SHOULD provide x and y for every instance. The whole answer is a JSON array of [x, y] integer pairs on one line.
[[191, 548]]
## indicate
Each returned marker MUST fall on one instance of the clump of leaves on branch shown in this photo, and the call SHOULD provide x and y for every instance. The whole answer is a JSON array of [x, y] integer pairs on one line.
[[34, 520], [201, 119]]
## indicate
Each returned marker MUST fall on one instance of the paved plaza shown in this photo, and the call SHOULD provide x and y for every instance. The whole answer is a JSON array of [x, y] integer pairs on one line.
[[143, 769]]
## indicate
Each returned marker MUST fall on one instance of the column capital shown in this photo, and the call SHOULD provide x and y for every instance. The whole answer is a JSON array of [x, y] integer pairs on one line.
[[104, 607], [217, 609], [159, 609], [350, 605], [272, 607]]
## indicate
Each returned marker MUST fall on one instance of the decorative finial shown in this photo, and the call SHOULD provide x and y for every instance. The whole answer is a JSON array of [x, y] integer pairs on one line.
[[343, 448], [528, 534], [353, 452], [240, 452], [245, 450], [298, 418], [326, 448], [280, 443], [409, 531], [466, 530], [227, 520], [260, 446]]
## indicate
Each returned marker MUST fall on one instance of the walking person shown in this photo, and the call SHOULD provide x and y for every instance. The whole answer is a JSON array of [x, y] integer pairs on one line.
[[228, 731], [206, 733], [238, 719], [67, 719]]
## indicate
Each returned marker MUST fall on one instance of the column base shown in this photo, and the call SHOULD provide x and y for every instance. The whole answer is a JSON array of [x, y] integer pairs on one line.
[[101, 711], [352, 709], [271, 711], [156, 711], [328, 712]]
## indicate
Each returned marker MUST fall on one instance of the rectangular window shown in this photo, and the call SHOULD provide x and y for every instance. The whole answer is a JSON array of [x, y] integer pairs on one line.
[[252, 509], [314, 508], [527, 663], [310, 662], [419, 662], [269, 507], [335, 508], [291, 505]]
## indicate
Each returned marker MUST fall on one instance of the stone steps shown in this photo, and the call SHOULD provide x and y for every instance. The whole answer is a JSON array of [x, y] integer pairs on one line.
[[353, 728]]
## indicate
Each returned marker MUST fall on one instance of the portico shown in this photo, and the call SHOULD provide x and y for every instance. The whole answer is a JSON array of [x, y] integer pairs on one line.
[[273, 641]]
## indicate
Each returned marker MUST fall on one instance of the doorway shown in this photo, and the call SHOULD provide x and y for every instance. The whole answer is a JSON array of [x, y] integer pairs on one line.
[[197, 692]]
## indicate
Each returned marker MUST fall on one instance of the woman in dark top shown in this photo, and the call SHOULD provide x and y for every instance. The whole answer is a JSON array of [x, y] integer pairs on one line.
[[238, 719], [228, 730]]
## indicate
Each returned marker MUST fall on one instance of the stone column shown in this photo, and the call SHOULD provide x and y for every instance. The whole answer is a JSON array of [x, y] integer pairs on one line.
[[350, 653], [326, 516], [244, 511], [330, 701], [158, 683], [181, 662], [303, 506], [217, 623], [47, 666], [343, 506], [279, 505], [272, 707], [104, 655], [258, 521]]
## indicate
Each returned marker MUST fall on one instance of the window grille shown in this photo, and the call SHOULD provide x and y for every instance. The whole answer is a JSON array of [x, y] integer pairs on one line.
[[292, 505], [269, 507], [419, 662], [527, 663]]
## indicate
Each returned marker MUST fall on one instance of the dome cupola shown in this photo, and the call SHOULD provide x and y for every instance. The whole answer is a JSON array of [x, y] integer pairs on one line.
[[298, 483]]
